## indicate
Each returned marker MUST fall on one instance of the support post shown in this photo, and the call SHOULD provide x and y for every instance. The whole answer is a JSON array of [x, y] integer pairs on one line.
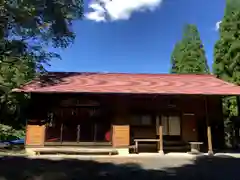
[[209, 133], [61, 133], [78, 133], [160, 133], [210, 150], [95, 132]]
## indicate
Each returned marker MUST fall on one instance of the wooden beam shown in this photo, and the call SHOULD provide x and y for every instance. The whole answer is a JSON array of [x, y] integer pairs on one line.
[[209, 133]]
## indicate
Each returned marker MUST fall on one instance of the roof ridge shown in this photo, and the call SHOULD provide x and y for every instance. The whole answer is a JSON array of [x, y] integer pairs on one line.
[[129, 73]]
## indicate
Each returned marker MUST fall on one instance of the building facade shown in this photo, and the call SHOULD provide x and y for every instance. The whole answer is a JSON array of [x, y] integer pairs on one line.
[[112, 110]]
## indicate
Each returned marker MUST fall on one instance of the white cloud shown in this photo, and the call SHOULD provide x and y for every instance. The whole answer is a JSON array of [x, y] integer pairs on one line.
[[98, 13], [217, 26], [96, 16], [119, 9]]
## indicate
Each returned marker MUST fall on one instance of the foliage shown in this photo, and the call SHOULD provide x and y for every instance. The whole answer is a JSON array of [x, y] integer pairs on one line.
[[27, 29], [188, 55], [11, 104], [227, 48], [40, 20], [27, 26], [9, 133], [227, 57]]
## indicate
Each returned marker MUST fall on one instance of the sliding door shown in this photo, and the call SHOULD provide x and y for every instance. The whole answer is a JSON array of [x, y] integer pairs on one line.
[[78, 125], [174, 126], [171, 125]]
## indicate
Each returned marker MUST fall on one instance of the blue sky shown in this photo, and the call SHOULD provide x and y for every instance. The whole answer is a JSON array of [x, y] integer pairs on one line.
[[137, 37]]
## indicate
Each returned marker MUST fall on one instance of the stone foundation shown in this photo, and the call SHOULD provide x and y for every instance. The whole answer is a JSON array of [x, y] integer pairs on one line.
[[123, 151], [161, 152], [30, 151]]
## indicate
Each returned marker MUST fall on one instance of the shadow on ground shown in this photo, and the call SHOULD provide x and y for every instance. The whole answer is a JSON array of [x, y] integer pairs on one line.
[[22, 168]]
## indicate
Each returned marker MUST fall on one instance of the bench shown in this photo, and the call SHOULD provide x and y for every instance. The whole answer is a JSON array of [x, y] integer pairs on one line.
[[195, 147], [143, 140]]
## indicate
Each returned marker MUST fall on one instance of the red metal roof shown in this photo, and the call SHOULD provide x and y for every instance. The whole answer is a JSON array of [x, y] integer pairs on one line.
[[63, 82]]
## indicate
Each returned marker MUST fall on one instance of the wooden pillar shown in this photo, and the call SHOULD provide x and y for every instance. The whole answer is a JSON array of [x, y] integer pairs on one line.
[[61, 133], [160, 134], [78, 132], [209, 133]]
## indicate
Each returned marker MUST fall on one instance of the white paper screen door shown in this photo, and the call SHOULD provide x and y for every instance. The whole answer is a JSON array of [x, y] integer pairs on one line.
[[171, 125], [165, 125], [174, 126]]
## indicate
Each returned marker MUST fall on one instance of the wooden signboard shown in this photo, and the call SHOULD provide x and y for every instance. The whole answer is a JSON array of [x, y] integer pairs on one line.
[[121, 135]]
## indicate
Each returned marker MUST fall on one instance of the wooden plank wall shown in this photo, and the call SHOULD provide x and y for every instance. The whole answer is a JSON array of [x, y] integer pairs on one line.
[[121, 135], [123, 106], [35, 135]]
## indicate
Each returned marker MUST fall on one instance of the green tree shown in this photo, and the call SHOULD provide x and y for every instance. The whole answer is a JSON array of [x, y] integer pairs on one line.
[[227, 49], [11, 77], [27, 26], [27, 29], [227, 57], [188, 55]]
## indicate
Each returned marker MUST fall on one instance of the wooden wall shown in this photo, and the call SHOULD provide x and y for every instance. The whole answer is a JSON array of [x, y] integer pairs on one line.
[[191, 109], [35, 135], [123, 106], [120, 125], [143, 132], [37, 113], [121, 136]]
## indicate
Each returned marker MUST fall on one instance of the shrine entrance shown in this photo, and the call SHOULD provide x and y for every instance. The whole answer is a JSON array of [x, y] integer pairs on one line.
[[78, 125]]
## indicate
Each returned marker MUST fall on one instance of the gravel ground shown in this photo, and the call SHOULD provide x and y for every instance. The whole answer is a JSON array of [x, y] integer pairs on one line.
[[146, 162], [141, 168]]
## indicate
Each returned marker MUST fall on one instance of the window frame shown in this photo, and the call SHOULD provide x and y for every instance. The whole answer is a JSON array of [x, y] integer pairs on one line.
[[167, 116], [141, 116]]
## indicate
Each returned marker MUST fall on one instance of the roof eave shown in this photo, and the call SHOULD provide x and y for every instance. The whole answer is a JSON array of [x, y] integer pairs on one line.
[[85, 92]]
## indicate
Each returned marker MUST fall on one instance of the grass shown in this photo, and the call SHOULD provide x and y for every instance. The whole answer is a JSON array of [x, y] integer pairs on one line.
[[13, 150]]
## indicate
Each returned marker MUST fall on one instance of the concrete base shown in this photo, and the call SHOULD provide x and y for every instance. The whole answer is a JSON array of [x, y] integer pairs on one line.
[[183, 155], [69, 150], [210, 153], [30, 151], [161, 152], [123, 151]]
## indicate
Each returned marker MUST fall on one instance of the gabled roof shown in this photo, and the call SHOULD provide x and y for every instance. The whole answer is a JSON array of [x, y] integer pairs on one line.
[[66, 82]]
